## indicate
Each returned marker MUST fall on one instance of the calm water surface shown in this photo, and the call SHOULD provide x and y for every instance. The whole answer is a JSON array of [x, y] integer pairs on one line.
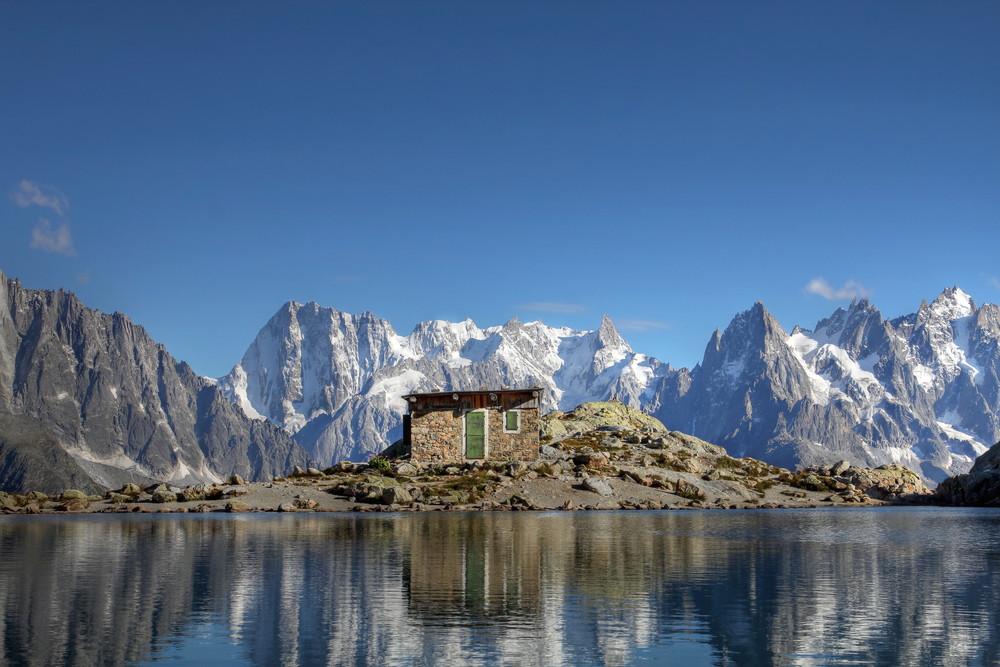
[[889, 587]]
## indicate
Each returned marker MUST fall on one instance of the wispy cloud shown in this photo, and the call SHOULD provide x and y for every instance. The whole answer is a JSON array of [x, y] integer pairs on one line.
[[58, 240], [84, 277], [29, 193], [992, 280], [640, 325], [554, 307], [851, 289]]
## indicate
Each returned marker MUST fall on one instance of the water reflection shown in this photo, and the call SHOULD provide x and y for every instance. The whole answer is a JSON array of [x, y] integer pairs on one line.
[[916, 586]]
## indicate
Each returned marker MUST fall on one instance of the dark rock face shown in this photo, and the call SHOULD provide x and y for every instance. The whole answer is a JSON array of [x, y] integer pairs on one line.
[[32, 460], [980, 487], [118, 403]]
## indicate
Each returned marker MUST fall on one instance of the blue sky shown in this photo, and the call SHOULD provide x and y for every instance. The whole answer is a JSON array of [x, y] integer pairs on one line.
[[195, 165]]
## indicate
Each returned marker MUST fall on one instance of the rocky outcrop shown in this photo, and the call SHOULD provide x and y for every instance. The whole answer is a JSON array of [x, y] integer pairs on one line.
[[892, 481], [118, 403], [980, 487], [611, 416]]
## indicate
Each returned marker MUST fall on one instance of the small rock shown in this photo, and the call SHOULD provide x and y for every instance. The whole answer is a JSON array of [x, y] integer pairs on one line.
[[607, 505], [287, 507], [237, 506]]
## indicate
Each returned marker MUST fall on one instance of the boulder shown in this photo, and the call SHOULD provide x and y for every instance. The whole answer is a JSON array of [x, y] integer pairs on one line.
[[164, 497], [547, 452], [73, 505], [72, 494], [314, 472], [396, 495], [407, 470], [236, 480], [287, 507], [237, 506], [306, 503], [188, 495], [130, 490], [607, 505], [839, 468], [590, 459], [597, 485], [515, 468]]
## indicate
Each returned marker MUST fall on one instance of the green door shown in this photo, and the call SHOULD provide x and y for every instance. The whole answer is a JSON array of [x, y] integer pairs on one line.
[[475, 435]]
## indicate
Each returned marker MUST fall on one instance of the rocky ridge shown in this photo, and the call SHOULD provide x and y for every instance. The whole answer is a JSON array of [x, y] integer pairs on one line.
[[117, 403]]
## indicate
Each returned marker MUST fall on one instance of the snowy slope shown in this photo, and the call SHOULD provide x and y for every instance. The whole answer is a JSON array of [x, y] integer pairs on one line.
[[334, 380]]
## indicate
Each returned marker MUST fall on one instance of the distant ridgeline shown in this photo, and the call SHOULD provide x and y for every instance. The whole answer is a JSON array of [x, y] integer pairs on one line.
[[318, 385], [89, 400], [920, 389]]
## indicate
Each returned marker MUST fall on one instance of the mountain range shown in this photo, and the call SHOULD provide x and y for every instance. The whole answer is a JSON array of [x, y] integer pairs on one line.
[[87, 397], [921, 389]]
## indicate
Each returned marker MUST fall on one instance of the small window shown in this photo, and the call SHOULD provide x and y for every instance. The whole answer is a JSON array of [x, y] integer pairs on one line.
[[512, 422]]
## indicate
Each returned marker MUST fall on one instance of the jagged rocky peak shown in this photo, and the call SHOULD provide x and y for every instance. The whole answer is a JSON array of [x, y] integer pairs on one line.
[[118, 403]]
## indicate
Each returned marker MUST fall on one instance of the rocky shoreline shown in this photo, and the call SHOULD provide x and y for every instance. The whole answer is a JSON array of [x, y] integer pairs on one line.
[[607, 468], [601, 456]]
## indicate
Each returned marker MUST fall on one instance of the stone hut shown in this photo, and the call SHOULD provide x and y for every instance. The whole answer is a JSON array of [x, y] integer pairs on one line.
[[458, 426]]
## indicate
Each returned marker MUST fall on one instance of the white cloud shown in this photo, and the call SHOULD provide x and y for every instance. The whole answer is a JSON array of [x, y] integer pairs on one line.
[[44, 237], [553, 307], [28, 193], [852, 289], [640, 325]]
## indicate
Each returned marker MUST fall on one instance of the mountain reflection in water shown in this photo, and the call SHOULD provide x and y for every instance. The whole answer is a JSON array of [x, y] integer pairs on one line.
[[891, 586]]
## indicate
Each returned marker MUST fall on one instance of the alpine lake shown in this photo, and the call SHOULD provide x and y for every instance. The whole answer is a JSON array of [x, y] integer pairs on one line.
[[872, 586]]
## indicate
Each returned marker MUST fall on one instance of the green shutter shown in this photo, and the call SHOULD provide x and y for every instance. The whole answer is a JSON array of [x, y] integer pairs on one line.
[[512, 420], [475, 435]]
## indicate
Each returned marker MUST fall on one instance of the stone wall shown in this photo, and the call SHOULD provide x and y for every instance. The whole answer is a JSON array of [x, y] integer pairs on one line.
[[438, 436]]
